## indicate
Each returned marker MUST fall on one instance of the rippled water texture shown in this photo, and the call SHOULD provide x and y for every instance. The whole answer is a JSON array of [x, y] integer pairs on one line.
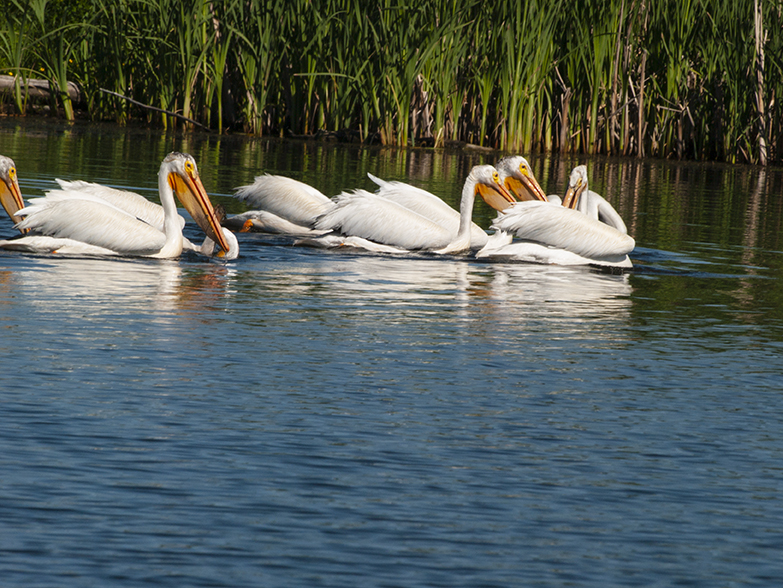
[[332, 418]]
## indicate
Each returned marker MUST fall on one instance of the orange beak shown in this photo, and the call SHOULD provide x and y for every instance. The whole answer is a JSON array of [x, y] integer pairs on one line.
[[11, 196], [525, 188], [194, 198], [495, 195]]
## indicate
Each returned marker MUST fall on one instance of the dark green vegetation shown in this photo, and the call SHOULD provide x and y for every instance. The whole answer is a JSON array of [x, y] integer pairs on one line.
[[672, 78]]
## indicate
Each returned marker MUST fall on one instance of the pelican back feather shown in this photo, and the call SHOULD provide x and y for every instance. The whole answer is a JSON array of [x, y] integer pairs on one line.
[[367, 215], [288, 198], [94, 223], [564, 228], [131, 202], [430, 206]]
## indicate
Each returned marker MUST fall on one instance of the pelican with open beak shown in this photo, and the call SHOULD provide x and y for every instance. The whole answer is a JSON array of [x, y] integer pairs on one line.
[[519, 180]]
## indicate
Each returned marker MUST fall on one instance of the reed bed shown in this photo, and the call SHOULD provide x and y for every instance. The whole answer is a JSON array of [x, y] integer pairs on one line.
[[697, 79]]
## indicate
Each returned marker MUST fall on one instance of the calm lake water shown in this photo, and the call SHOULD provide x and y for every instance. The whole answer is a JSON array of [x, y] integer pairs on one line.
[[301, 417]]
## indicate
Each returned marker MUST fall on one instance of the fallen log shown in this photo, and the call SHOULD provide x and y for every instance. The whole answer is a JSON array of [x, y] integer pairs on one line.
[[39, 88]]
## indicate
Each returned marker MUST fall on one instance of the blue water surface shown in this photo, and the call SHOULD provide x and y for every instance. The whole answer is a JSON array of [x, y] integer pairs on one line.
[[300, 417]]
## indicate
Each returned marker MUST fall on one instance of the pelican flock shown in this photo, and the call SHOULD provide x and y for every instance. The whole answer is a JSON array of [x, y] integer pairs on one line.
[[579, 228]]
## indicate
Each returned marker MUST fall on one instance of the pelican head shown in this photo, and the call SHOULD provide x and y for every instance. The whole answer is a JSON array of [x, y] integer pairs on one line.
[[577, 184], [519, 179], [181, 174], [487, 184], [10, 195]]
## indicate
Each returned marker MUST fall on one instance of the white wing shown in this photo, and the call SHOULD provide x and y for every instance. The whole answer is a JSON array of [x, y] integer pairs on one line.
[[287, 198], [381, 183], [134, 204], [563, 228], [94, 223], [369, 216], [429, 206]]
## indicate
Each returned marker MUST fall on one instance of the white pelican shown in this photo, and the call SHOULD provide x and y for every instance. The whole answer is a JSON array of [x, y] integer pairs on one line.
[[558, 234], [281, 205], [587, 201], [141, 208], [380, 220], [430, 206], [583, 199], [91, 224], [10, 195]]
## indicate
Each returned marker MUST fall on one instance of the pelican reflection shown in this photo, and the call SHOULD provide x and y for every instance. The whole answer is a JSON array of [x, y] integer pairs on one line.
[[122, 287], [436, 286]]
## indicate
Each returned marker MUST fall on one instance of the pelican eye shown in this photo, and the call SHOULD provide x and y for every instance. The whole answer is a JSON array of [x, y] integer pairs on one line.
[[12, 173], [495, 177], [189, 167]]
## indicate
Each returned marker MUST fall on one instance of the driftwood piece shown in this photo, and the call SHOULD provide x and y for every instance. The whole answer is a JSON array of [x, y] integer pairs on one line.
[[154, 108], [39, 88]]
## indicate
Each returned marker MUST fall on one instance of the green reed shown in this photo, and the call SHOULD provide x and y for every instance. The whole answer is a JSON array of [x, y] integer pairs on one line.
[[16, 43], [674, 78]]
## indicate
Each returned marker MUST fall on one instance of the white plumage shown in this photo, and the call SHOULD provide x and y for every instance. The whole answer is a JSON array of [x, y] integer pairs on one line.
[[288, 199], [99, 224], [367, 215], [44, 244], [384, 221], [517, 175], [137, 206], [596, 207], [557, 226], [429, 206], [132, 203], [207, 248], [530, 252], [333, 241]]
